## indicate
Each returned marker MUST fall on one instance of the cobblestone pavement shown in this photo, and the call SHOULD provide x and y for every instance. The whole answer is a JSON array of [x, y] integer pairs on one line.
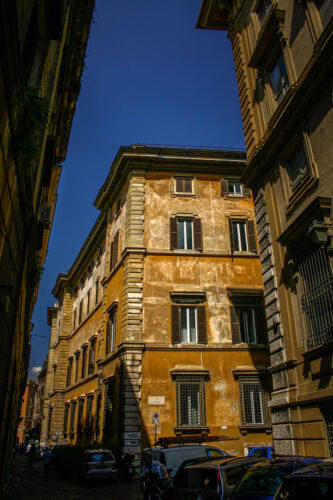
[[26, 484]]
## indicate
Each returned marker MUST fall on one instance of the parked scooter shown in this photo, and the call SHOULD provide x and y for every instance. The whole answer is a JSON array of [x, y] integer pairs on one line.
[[127, 466]]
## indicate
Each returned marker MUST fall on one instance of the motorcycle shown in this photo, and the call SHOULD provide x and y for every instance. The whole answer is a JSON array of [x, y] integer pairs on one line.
[[127, 466]]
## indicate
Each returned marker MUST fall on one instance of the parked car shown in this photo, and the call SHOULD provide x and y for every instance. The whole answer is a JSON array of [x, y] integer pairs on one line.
[[262, 452], [214, 479], [263, 479], [99, 464], [314, 481], [173, 456]]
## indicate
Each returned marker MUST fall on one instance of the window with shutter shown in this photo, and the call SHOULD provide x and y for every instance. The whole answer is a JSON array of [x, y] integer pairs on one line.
[[175, 325], [188, 324], [242, 235], [183, 185], [234, 189], [251, 233], [185, 234], [248, 324]]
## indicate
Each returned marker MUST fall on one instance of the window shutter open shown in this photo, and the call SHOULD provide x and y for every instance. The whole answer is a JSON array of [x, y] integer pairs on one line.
[[235, 328], [202, 327], [247, 192], [231, 236], [251, 236], [115, 249], [173, 233], [197, 234], [111, 256], [225, 186], [175, 326], [188, 185], [261, 325]]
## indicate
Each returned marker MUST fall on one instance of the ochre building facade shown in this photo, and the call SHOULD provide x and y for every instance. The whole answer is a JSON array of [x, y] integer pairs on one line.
[[159, 329], [283, 53]]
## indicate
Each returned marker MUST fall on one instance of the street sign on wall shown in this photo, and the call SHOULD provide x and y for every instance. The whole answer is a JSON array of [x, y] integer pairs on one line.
[[156, 418]]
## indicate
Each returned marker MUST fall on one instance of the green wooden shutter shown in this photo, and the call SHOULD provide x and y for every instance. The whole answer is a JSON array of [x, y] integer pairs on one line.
[[175, 325], [232, 246], [173, 233], [261, 325], [235, 327], [224, 186], [197, 234], [202, 325], [251, 234]]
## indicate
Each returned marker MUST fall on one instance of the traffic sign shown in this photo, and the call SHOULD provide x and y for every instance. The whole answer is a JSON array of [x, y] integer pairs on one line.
[[156, 418]]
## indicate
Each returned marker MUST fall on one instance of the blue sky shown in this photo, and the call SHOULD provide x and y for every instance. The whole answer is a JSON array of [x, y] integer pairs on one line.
[[151, 77]]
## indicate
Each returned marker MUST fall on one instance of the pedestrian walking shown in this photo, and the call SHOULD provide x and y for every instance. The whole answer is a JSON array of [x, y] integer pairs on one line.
[[31, 456], [47, 461]]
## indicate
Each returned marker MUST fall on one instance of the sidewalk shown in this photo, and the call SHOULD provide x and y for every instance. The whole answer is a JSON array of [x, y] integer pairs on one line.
[[27, 484]]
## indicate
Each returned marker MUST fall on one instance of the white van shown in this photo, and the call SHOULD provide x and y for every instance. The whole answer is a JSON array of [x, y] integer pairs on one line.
[[173, 456]]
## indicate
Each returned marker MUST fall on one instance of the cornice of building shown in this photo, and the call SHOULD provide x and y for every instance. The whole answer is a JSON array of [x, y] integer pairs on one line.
[[143, 157]]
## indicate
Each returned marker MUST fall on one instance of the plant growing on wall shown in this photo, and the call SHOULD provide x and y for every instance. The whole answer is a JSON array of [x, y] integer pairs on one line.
[[27, 140]]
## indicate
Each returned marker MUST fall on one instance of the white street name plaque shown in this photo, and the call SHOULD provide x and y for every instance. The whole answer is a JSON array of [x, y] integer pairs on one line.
[[156, 400], [132, 435]]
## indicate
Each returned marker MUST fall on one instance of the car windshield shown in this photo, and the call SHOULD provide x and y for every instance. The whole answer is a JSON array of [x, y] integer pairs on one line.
[[98, 457], [262, 481], [301, 488]]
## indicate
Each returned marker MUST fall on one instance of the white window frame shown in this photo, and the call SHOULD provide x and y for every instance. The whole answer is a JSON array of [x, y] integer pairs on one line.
[[183, 222], [232, 192], [236, 224], [188, 325], [183, 193]]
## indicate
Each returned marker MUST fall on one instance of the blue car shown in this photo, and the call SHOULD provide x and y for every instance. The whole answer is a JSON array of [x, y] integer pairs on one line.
[[263, 479], [262, 452], [314, 481]]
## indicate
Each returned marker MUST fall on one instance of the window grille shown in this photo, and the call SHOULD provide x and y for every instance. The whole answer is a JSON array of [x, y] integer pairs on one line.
[[191, 405], [253, 401], [328, 417], [315, 295]]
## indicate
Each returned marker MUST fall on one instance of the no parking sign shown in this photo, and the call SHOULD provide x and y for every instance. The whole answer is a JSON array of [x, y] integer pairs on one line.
[[156, 418]]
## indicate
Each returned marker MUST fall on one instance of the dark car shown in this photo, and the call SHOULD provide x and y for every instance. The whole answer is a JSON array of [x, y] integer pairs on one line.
[[99, 464], [212, 479], [314, 481], [263, 479], [262, 452], [173, 456]]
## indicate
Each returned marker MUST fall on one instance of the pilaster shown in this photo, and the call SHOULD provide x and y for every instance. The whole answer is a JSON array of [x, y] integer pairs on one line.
[[280, 412]]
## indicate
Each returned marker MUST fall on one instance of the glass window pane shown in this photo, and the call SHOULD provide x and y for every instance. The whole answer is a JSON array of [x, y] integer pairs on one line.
[[193, 329], [242, 228], [189, 235], [181, 238], [183, 324]]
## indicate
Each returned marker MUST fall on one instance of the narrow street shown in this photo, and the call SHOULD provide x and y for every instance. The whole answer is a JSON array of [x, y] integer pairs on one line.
[[25, 484]]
